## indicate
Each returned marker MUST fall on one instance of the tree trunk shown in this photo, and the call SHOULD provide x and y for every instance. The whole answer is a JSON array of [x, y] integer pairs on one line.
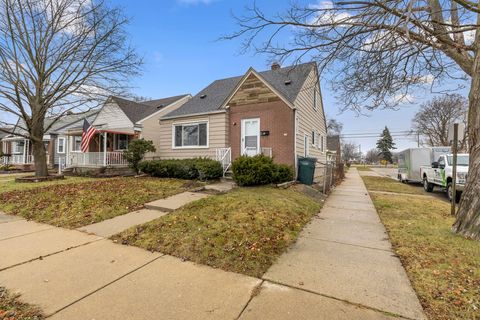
[[39, 153], [468, 215]]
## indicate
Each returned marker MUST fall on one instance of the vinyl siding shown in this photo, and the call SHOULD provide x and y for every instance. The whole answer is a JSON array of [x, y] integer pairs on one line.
[[151, 126], [111, 117], [217, 137], [309, 119]]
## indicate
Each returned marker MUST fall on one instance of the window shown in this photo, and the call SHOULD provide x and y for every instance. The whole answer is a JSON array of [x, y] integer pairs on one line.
[[306, 150], [122, 141], [61, 145], [77, 143], [314, 137], [322, 143], [190, 135], [18, 147], [441, 162], [315, 107]]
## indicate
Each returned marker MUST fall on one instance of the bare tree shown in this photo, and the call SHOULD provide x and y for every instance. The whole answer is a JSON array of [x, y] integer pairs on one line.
[[435, 116], [372, 156], [57, 56], [350, 151], [334, 127], [379, 51]]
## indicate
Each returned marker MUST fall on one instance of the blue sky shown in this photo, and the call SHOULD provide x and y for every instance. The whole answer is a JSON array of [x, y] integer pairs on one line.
[[178, 39]]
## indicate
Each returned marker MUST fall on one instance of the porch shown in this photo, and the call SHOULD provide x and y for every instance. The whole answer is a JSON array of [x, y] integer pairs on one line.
[[106, 149], [17, 151]]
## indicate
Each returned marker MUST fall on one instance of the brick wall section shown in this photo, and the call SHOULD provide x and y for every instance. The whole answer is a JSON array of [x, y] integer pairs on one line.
[[276, 117]]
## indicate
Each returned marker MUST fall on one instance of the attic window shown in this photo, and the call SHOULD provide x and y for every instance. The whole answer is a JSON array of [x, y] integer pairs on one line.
[[203, 96], [288, 82]]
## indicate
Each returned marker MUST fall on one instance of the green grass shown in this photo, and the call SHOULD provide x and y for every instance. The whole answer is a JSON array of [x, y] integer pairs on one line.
[[12, 309], [444, 268], [362, 168], [390, 185], [7, 182], [242, 231], [74, 205]]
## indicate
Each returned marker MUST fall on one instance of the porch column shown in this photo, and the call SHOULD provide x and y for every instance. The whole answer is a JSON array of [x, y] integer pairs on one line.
[[104, 149], [25, 141]]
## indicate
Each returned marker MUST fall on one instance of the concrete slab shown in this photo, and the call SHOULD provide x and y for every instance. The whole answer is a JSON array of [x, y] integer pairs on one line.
[[222, 186], [359, 206], [167, 289], [357, 197], [175, 202], [4, 218], [354, 232], [348, 215], [59, 280], [32, 246], [20, 227], [373, 278], [276, 302], [108, 228]]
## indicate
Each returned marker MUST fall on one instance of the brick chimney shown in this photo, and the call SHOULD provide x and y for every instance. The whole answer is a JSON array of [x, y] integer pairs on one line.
[[275, 66]]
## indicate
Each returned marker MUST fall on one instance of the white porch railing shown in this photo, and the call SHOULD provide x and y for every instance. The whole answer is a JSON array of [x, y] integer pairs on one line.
[[224, 155], [96, 159], [18, 159], [253, 151]]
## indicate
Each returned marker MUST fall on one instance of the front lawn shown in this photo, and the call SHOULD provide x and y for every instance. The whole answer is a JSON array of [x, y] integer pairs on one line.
[[12, 309], [444, 268], [390, 185], [242, 231], [7, 182], [74, 205]]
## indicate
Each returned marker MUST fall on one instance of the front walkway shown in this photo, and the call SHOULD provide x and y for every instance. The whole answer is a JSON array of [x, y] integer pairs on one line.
[[342, 267]]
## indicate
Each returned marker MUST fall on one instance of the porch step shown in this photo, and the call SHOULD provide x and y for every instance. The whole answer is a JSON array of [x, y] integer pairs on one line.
[[174, 202]]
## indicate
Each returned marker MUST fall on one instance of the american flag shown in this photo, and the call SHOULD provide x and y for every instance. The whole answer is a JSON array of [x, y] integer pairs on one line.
[[87, 134]]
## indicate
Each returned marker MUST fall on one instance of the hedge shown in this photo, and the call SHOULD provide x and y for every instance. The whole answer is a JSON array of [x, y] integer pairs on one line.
[[259, 170], [191, 169]]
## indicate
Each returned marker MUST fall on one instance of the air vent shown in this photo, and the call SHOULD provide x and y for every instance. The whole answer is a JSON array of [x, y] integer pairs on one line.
[[288, 82], [203, 96], [161, 106]]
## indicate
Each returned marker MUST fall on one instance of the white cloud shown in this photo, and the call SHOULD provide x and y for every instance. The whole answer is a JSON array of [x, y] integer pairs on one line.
[[327, 13], [402, 98]]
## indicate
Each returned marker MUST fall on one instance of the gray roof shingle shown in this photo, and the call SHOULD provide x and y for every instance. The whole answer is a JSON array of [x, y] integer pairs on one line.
[[215, 94], [137, 111]]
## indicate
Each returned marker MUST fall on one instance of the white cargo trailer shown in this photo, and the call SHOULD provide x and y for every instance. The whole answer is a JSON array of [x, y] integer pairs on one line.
[[410, 161]]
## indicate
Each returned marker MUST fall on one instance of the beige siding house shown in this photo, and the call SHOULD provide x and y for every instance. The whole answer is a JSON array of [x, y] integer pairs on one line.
[[278, 112]]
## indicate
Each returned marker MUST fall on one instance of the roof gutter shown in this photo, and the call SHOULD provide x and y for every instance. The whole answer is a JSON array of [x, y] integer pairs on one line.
[[193, 115]]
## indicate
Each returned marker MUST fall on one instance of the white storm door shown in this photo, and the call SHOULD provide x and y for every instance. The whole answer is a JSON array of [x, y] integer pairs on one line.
[[250, 137]]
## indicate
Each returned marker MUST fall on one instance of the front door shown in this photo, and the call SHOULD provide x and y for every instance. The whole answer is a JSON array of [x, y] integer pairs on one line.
[[250, 137]]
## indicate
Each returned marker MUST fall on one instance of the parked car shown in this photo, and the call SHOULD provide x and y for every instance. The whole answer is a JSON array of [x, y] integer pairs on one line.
[[440, 173]]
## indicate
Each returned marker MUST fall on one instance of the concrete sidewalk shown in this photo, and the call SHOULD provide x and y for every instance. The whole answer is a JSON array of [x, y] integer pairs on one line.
[[342, 268], [345, 254]]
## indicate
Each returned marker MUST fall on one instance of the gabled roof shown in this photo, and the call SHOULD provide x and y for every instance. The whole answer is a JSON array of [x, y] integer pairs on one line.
[[211, 98], [64, 121], [137, 111]]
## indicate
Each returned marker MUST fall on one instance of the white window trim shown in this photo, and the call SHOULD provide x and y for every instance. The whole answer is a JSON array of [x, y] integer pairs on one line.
[[64, 145], [117, 135], [187, 124], [16, 144]]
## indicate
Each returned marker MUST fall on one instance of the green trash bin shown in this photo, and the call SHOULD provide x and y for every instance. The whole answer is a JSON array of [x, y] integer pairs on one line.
[[306, 170]]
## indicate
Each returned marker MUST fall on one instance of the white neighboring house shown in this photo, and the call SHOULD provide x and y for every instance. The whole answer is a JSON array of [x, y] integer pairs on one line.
[[118, 122]]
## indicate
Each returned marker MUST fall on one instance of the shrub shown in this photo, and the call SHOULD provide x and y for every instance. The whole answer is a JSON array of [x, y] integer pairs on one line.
[[198, 168], [258, 170], [136, 151]]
